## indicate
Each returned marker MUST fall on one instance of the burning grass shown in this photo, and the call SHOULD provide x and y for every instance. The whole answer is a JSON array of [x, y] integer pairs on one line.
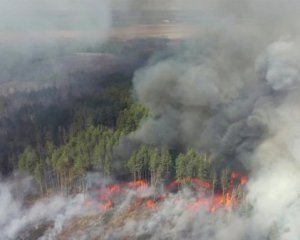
[[114, 207], [144, 196]]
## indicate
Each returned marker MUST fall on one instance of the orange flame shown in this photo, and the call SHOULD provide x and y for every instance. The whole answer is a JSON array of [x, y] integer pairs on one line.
[[211, 201], [138, 185], [106, 206], [197, 183], [151, 204], [244, 180]]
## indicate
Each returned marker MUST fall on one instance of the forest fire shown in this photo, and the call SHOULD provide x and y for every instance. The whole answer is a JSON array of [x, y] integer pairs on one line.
[[206, 196], [227, 200]]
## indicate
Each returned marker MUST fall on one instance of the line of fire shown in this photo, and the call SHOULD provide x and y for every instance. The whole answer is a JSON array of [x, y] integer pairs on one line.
[[206, 197]]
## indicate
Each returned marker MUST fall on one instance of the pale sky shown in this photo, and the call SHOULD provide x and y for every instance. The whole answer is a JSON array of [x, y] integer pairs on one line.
[[159, 4]]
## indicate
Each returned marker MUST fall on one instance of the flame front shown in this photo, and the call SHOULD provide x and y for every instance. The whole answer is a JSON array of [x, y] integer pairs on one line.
[[206, 197]]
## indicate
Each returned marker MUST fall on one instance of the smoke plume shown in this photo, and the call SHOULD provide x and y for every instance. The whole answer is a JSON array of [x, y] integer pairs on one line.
[[233, 91]]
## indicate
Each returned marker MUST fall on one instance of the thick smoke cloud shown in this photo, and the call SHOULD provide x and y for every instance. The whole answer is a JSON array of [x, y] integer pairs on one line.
[[212, 89], [234, 92], [214, 83]]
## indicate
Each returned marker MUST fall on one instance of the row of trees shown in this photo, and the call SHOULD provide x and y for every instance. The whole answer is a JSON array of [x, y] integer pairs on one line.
[[65, 166], [157, 165], [150, 164]]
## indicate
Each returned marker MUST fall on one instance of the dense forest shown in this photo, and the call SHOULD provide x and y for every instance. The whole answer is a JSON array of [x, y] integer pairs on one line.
[[59, 134]]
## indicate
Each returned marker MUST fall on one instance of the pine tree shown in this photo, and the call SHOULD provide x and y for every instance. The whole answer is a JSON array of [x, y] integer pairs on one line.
[[213, 180], [204, 167], [138, 163], [166, 163], [181, 164], [192, 161], [154, 164], [225, 180], [29, 162], [134, 166]]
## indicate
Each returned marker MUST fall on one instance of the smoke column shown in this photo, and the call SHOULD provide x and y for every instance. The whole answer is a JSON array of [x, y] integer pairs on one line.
[[234, 92]]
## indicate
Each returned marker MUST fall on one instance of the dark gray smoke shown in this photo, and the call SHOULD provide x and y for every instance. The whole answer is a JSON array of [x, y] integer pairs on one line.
[[233, 91], [206, 94]]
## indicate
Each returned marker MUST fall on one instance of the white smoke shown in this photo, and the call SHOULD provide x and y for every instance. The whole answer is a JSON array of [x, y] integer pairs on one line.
[[282, 64], [18, 217], [273, 189]]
